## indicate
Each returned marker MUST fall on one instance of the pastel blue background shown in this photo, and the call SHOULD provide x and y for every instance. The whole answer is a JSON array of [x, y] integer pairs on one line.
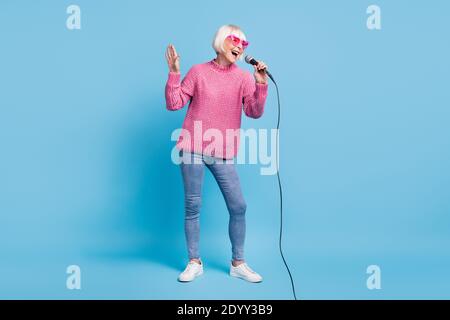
[[86, 176]]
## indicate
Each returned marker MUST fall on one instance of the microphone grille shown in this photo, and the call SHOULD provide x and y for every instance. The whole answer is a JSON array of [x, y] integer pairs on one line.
[[248, 59]]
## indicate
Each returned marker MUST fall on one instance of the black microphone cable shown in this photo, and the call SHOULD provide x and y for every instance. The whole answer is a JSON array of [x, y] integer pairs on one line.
[[281, 192], [252, 61]]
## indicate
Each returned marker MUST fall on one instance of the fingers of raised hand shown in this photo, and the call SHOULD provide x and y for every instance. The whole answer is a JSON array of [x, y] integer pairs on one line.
[[171, 54]]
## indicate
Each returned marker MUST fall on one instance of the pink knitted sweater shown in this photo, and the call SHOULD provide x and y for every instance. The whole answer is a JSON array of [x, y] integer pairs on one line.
[[216, 94]]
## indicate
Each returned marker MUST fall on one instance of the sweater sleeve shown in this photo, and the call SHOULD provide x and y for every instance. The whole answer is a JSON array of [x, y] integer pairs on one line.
[[178, 94], [254, 98]]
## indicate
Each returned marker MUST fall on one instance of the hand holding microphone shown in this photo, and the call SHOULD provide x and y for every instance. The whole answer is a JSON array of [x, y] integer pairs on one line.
[[261, 71]]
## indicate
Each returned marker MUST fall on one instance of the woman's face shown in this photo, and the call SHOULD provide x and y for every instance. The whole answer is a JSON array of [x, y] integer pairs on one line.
[[232, 51]]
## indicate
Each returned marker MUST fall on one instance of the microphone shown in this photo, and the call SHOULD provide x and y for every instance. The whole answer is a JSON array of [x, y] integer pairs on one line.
[[252, 61]]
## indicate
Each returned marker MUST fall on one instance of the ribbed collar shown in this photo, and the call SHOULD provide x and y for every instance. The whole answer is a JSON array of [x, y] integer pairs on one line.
[[221, 68]]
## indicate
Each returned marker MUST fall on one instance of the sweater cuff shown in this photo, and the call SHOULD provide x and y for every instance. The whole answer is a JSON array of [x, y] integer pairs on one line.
[[174, 78], [262, 88]]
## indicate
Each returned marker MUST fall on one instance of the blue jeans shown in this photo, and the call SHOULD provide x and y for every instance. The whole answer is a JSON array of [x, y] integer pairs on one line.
[[192, 168]]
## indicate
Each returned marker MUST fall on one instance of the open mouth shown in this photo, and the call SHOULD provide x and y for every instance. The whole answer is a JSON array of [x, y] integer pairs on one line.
[[235, 53]]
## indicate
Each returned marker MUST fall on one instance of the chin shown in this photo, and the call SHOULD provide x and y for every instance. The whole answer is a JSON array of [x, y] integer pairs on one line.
[[233, 59]]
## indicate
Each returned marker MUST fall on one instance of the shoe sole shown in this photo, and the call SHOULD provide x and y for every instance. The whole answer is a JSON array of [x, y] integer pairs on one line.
[[197, 275], [244, 278]]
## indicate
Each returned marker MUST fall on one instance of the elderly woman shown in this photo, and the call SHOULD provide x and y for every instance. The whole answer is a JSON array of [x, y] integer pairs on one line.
[[217, 92]]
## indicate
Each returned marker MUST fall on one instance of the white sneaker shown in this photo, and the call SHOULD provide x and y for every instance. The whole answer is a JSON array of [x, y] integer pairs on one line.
[[243, 271], [192, 271]]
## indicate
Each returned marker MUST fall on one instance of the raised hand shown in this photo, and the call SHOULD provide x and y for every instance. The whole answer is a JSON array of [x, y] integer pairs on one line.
[[173, 59]]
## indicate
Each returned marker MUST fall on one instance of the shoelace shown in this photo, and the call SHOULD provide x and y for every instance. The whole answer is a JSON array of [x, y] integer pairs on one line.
[[190, 266], [245, 266]]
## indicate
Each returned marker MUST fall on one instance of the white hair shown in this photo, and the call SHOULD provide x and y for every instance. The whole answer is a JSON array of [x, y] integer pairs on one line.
[[223, 32]]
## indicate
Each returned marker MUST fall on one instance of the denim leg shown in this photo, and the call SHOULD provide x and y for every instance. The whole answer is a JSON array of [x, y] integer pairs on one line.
[[192, 172], [228, 181]]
